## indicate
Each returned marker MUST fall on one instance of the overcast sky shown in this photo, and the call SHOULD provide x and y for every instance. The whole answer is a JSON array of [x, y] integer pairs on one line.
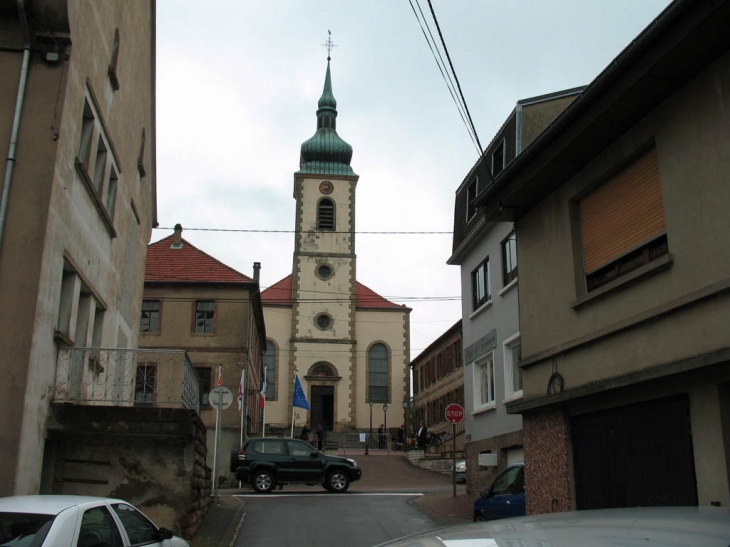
[[237, 88]]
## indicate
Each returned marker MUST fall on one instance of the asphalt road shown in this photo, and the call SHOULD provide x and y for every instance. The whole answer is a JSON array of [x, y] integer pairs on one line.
[[322, 519]]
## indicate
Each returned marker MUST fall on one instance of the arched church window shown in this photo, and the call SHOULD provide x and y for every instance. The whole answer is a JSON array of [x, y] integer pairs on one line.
[[269, 361], [326, 214], [378, 357]]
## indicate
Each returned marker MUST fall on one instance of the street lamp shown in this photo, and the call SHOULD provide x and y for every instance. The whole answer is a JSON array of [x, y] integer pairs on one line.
[[370, 435], [385, 423]]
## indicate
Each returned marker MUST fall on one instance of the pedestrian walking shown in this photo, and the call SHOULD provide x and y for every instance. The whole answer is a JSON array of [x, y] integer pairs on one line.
[[320, 436], [422, 436]]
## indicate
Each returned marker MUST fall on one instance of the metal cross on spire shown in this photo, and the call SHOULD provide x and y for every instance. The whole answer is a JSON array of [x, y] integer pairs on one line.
[[329, 44]]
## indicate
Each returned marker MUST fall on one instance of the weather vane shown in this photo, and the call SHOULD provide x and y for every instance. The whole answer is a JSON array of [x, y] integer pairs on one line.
[[329, 44]]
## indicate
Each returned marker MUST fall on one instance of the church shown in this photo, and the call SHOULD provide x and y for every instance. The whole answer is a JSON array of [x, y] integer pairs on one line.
[[348, 346]]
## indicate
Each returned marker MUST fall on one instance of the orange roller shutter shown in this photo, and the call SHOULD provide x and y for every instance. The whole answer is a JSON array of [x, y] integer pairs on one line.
[[623, 214]]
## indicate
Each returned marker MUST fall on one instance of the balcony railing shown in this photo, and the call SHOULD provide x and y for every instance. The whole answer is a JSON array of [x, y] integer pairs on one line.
[[126, 377]]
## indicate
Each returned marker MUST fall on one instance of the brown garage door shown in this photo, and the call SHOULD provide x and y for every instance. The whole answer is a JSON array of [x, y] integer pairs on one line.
[[635, 455]]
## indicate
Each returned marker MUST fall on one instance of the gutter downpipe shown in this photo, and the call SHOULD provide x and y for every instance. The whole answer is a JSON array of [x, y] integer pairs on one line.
[[10, 161]]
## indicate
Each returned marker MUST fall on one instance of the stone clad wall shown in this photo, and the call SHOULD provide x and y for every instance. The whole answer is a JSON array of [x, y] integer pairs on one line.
[[153, 458]]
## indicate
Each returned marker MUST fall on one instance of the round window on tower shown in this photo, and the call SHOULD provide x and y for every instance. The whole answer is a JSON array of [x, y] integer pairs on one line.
[[324, 271], [323, 321]]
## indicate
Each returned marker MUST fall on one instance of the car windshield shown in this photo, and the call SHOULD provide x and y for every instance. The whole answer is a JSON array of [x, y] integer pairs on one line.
[[23, 529]]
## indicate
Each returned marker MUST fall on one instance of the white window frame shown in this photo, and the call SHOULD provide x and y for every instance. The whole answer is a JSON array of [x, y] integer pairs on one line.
[[471, 196], [508, 346], [484, 382]]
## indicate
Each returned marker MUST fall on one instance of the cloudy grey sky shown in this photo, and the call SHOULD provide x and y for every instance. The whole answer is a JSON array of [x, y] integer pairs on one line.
[[237, 89]]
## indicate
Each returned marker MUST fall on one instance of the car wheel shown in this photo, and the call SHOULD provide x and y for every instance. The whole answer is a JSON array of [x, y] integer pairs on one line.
[[263, 481], [337, 481], [478, 516]]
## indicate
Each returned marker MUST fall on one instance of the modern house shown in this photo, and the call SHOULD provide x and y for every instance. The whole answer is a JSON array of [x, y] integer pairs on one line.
[[620, 209], [486, 252]]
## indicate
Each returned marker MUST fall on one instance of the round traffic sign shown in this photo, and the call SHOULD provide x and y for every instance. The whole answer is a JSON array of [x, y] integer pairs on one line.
[[454, 413], [221, 397]]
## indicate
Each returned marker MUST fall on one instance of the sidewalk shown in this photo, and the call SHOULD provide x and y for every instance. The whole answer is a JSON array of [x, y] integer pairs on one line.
[[382, 472]]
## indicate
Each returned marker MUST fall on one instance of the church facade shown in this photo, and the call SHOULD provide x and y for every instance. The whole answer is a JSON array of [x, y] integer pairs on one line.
[[348, 345]]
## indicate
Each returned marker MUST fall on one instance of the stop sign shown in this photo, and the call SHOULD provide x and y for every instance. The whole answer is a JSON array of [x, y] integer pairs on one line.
[[454, 413]]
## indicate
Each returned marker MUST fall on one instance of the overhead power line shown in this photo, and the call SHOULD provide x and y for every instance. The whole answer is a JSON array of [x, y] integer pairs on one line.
[[300, 231]]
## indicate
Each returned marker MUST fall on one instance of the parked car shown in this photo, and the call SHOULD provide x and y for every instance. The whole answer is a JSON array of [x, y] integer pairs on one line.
[[268, 462], [460, 469], [82, 521], [505, 497], [686, 526]]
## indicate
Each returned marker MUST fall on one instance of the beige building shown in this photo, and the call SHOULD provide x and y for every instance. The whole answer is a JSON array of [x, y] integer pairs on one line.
[[194, 302], [77, 205], [621, 217], [438, 381], [348, 345]]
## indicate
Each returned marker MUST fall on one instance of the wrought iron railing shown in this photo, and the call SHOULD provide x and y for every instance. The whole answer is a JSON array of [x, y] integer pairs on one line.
[[126, 377]]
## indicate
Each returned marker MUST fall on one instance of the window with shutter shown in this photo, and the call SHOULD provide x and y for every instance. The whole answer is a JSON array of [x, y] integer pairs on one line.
[[622, 223]]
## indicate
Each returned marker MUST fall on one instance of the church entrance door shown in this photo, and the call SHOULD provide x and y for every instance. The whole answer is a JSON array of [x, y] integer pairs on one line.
[[323, 406]]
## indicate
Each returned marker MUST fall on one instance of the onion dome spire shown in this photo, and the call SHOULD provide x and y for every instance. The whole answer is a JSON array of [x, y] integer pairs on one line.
[[326, 153]]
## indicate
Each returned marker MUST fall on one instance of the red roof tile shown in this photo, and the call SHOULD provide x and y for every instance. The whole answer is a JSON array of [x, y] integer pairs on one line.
[[187, 264], [280, 294]]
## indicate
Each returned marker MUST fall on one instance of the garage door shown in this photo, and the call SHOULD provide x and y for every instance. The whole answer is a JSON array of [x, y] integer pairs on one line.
[[635, 455]]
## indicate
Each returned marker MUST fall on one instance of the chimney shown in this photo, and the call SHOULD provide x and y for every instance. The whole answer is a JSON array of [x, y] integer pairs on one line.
[[256, 271], [177, 239]]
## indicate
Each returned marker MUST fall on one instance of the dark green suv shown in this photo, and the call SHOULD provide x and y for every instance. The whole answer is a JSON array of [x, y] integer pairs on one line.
[[272, 461]]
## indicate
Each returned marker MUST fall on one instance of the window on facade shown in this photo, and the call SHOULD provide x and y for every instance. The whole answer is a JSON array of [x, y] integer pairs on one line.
[[150, 316], [323, 321], [480, 285], [100, 165], [512, 371], [378, 374], [204, 316], [326, 214], [471, 196], [80, 313], [509, 259], [144, 384], [269, 361], [111, 195], [622, 223], [484, 381], [498, 159], [87, 132], [204, 376]]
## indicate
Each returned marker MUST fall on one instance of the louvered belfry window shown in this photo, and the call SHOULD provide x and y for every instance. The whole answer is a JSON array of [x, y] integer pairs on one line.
[[622, 222], [326, 215]]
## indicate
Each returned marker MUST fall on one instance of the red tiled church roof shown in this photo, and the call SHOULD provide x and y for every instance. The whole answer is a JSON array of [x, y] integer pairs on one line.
[[187, 264], [280, 294]]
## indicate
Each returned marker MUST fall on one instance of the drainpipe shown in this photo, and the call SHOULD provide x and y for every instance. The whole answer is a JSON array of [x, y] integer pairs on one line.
[[10, 162]]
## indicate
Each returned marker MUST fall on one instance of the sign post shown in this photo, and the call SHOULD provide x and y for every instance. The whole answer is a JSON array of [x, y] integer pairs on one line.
[[220, 398], [455, 415]]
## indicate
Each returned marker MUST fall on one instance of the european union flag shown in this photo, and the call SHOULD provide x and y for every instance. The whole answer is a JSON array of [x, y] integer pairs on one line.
[[300, 400]]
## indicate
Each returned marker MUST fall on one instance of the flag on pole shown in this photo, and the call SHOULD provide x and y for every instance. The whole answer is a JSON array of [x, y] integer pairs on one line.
[[240, 390], [263, 393], [220, 375], [300, 399]]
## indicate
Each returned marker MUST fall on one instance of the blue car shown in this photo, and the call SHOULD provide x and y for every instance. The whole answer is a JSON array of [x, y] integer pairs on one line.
[[505, 498]]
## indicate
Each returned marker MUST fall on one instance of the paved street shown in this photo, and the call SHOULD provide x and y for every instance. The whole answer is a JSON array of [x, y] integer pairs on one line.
[[393, 498]]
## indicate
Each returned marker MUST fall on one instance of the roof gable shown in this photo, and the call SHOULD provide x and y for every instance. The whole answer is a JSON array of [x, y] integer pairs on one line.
[[280, 294], [186, 264]]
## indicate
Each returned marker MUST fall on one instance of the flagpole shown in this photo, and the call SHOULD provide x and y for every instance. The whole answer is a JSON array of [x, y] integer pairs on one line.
[[291, 435]]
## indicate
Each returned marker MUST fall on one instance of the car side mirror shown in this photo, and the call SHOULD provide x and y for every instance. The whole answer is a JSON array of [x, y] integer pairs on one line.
[[484, 493], [313, 454], [165, 533]]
